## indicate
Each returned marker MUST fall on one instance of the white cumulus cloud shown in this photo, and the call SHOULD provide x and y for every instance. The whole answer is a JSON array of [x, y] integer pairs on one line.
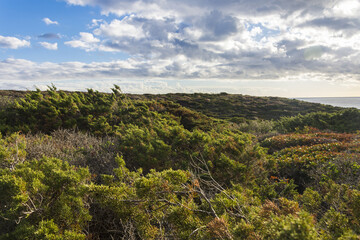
[[86, 41], [13, 42], [47, 21], [49, 46]]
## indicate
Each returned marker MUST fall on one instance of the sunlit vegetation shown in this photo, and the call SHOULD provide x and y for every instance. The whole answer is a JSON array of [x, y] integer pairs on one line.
[[89, 165], [239, 108], [347, 120]]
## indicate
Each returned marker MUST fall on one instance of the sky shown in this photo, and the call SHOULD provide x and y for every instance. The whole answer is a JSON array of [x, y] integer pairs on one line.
[[296, 48]]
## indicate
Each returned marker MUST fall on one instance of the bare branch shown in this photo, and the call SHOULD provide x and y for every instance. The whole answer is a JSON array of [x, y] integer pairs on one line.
[[196, 230]]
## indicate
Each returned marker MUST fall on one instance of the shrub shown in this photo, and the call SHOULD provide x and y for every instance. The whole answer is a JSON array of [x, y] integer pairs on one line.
[[43, 197]]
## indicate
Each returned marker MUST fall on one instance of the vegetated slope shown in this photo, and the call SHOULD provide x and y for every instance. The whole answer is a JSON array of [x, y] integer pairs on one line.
[[103, 166], [233, 107], [237, 107], [13, 93], [347, 120]]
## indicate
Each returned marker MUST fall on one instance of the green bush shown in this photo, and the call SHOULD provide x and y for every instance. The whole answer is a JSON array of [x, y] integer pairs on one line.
[[342, 121], [45, 196]]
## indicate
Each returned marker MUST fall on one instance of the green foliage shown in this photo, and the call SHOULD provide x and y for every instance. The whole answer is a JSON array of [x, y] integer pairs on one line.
[[165, 196], [342, 121], [279, 142], [295, 227], [53, 110], [314, 157], [111, 166], [46, 194], [336, 223], [310, 201], [237, 107], [257, 127]]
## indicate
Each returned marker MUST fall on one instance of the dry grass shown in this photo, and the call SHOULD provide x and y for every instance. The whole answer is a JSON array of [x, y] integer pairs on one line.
[[80, 149]]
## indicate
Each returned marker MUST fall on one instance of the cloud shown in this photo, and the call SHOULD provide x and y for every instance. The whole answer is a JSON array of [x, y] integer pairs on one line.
[[310, 60], [194, 8], [49, 46], [346, 26], [24, 74], [95, 23], [206, 39], [218, 26], [13, 42], [127, 27], [346, 8], [47, 21], [227, 39], [86, 41], [50, 36]]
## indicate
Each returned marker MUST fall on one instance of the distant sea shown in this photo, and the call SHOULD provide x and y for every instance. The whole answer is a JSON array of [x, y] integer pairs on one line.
[[335, 101]]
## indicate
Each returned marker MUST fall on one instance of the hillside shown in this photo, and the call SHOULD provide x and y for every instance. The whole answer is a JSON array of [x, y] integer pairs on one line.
[[89, 165], [236, 107]]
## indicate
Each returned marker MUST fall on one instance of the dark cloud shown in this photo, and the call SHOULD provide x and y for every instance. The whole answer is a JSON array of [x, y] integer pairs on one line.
[[289, 45], [218, 26], [334, 23], [50, 36], [158, 29]]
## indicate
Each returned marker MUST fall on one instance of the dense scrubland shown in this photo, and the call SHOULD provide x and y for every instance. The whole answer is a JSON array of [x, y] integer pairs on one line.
[[90, 165], [238, 107]]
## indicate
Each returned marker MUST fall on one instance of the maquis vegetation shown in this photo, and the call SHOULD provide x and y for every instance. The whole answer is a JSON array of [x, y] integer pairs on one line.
[[91, 165]]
